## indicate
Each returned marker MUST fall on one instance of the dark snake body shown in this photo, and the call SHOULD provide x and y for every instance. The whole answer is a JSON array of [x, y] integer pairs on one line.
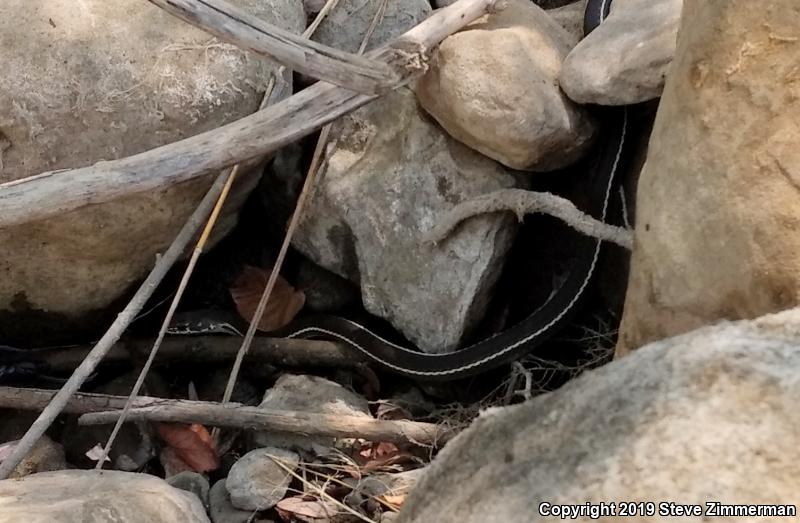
[[505, 346], [523, 337]]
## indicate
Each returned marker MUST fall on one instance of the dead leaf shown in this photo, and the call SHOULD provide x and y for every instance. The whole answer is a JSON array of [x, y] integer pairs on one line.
[[306, 508], [383, 456], [192, 443], [381, 449], [172, 463], [393, 500], [95, 452], [283, 305]]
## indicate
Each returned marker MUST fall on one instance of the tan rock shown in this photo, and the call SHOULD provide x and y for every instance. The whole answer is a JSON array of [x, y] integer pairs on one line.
[[719, 196], [97, 80], [88, 496], [46, 456], [626, 59], [494, 87], [707, 416], [570, 17]]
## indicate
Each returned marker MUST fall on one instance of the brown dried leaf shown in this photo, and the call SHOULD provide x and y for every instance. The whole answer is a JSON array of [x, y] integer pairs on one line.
[[305, 508], [380, 449], [283, 305], [172, 463], [192, 444], [393, 500]]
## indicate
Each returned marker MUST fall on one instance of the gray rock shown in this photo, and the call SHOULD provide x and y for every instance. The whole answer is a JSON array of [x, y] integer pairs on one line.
[[391, 173], [626, 59], [192, 482], [257, 482], [145, 80], [570, 17], [710, 415], [222, 510], [344, 28], [46, 456], [87, 496], [396, 484], [308, 394], [494, 86]]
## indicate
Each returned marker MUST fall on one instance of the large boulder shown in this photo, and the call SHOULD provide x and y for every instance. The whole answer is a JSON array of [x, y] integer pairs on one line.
[[570, 17], [718, 200], [494, 86], [88, 496], [346, 25], [391, 173], [626, 59], [97, 80], [707, 416]]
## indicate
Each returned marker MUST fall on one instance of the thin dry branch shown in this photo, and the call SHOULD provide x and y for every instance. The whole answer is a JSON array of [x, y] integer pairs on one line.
[[106, 408], [523, 202], [219, 349], [308, 186], [120, 324], [80, 403], [307, 423], [269, 98], [56, 192], [220, 18]]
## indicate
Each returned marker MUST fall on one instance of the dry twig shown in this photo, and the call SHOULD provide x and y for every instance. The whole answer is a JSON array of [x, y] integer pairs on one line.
[[522, 202], [55, 192], [95, 356], [307, 423]]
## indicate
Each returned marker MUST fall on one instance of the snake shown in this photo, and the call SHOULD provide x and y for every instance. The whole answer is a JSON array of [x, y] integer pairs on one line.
[[500, 348], [520, 338]]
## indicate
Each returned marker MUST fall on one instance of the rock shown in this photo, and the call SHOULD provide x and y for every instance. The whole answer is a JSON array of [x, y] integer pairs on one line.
[[257, 482], [46, 456], [570, 17], [710, 415], [344, 27], [369, 491], [626, 59], [222, 510], [394, 484], [494, 86], [192, 482], [544, 4], [391, 173], [145, 80], [308, 394], [717, 204], [88, 496]]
